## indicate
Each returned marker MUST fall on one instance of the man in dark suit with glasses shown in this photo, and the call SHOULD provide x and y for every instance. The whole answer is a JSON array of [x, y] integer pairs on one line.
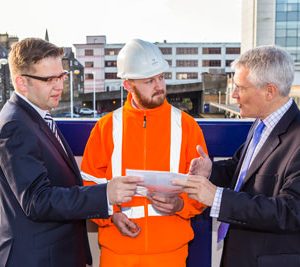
[[43, 205]]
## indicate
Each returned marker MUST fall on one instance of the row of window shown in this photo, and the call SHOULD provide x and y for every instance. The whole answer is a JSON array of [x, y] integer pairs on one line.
[[287, 16], [195, 50], [179, 63], [168, 75], [179, 51], [287, 7]]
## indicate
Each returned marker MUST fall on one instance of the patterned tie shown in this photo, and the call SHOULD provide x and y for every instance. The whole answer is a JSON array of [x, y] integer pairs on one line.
[[223, 228], [52, 125]]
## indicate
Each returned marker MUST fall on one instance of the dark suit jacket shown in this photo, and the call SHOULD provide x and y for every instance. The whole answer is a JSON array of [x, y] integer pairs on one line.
[[264, 216], [43, 206]]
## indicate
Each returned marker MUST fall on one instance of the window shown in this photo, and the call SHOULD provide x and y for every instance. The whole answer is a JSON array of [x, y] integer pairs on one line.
[[110, 63], [291, 41], [88, 52], [168, 75], [281, 41], [89, 76], [186, 75], [111, 75], [112, 51], [228, 63], [281, 16], [186, 63], [89, 64], [280, 33], [211, 50], [292, 16], [166, 50], [186, 50], [233, 50], [211, 63], [169, 62]]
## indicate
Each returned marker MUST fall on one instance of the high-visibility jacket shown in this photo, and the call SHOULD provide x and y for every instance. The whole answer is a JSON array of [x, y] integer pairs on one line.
[[145, 144]]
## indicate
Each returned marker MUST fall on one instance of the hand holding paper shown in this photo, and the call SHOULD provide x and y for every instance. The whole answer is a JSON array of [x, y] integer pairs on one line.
[[158, 181], [167, 204], [122, 189]]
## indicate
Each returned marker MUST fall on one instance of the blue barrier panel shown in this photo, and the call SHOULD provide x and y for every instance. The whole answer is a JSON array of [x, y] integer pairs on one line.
[[222, 137]]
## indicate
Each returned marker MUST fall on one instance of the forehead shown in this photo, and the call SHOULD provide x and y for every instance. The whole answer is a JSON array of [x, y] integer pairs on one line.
[[241, 74], [48, 65]]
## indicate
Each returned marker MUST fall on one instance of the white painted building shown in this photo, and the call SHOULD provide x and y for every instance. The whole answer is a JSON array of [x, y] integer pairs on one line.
[[91, 56], [187, 61]]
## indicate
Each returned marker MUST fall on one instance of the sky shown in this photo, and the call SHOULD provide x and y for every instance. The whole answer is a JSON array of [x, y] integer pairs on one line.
[[69, 22]]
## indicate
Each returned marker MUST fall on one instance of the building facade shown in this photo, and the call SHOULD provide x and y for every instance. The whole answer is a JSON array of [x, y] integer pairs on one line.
[[272, 22], [187, 61], [91, 56]]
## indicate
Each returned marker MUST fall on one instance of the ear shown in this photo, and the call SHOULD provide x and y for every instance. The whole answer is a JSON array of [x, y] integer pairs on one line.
[[271, 91], [127, 85], [21, 84]]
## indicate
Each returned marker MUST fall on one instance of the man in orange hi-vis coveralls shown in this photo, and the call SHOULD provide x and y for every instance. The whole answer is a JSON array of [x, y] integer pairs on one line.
[[147, 134]]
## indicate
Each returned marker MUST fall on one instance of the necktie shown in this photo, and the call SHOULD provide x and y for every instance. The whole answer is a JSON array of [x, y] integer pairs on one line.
[[223, 228], [52, 125]]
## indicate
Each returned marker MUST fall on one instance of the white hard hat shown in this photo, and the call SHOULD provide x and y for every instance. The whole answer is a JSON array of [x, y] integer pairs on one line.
[[139, 60]]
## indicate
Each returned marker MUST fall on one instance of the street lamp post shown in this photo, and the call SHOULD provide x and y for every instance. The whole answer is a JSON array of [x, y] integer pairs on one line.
[[71, 94], [72, 72], [3, 61], [94, 94], [122, 91]]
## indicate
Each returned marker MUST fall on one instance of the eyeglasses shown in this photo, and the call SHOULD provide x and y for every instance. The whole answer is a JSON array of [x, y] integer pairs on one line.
[[49, 79]]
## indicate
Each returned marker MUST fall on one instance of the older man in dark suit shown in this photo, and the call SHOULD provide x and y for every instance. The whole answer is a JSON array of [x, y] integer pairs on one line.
[[43, 205], [256, 194]]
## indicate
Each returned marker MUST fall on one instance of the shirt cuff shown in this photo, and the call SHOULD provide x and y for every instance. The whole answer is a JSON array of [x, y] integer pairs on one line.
[[109, 206], [215, 208]]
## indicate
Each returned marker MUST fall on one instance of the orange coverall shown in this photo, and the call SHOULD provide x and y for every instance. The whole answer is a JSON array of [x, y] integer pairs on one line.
[[146, 145]]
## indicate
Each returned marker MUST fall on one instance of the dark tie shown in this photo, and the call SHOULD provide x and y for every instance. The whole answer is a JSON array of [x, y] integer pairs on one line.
[[223, 228], [52, 125]]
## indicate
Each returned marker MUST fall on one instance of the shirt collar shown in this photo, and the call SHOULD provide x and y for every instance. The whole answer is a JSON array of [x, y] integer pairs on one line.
[[275, 117], [38, 110]]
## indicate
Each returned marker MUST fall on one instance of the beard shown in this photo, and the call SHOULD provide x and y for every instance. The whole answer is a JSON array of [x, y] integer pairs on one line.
[[156, 99]]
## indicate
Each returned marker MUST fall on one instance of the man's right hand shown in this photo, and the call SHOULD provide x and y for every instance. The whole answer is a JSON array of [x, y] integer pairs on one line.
[[124, 225], [121, 189]]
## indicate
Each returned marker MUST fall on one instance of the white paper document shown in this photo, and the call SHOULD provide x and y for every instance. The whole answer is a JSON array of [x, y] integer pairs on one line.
[[158, 181]]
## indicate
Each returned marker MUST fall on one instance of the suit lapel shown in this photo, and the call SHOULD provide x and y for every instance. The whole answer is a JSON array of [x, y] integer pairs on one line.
[[68, 157], [272, 142], [243, 153]]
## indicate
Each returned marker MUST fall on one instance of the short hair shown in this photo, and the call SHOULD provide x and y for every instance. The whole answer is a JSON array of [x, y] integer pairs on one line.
[[268, 65], [24, 54]]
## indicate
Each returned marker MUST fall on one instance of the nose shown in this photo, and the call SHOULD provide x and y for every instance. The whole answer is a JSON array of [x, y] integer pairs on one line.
[[58, 84], [159, 83], [235, 93]]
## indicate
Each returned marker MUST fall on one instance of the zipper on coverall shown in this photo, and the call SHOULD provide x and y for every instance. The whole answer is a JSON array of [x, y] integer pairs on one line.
[[145, 203]]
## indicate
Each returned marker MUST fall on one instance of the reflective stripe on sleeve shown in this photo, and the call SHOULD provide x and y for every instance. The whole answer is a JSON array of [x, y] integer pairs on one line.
[[176, 137], [90, 178], [116, 158]]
